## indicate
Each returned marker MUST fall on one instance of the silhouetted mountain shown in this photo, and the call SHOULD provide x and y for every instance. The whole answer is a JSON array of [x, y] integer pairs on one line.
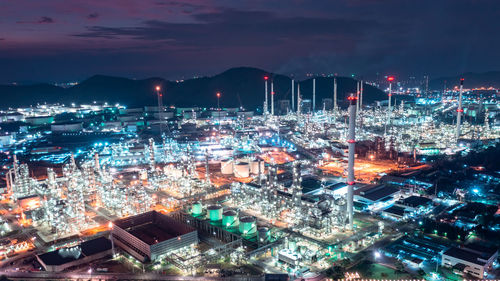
[[472, 80], [242, 86]]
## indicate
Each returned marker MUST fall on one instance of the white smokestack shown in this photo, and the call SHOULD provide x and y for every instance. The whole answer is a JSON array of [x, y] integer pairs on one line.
[[357, 96], [459, 110], [314, 95], [272, 98], [361, 96], [293, 95], [299, 100], [335, 94], [265, 99], [351, 139], [388, 109]]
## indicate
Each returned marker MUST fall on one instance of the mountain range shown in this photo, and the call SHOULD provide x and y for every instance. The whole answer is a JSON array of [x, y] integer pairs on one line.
[[239, 87], [471, 80]]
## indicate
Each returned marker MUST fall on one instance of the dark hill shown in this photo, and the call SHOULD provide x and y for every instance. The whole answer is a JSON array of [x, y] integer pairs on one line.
[[242, 86], [472, 80]]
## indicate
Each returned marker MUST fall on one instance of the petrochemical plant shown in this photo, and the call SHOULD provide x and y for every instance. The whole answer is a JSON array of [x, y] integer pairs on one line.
[[303, 187]]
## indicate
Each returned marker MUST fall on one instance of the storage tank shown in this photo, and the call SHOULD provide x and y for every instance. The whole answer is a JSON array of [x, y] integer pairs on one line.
[[248, 226], [196, 209], [230, 219], [254, 167], [226, 167], [263, 234], [215, 212], [242, 170]]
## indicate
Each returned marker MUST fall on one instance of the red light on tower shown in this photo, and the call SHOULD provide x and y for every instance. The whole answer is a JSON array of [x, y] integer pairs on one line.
[[218, 94], [390, 78], [158, 88], [266, 77]]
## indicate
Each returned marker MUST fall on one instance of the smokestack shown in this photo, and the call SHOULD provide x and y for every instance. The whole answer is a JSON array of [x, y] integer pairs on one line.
[[314, 95], [293, 95], [97, 166], [299, 100], [207, 168], [357, 96], [459, 110], [361, 96], [265, 99], [390, 78], [351, 139], [272, 98], [335, 94]]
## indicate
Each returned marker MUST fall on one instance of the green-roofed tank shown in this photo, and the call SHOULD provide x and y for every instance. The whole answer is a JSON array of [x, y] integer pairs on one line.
[[215, 212], [196, 209], [248, 226], [230, 219]]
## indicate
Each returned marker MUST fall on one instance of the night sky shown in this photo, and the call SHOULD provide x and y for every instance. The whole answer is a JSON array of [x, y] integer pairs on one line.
[[61, 40]]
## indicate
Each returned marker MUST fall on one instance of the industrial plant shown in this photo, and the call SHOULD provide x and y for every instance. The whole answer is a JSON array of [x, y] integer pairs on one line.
[[300, 188]]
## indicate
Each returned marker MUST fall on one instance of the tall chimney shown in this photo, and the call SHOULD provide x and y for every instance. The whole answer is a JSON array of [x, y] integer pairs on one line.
[[361, 96], [351, 139], [265, 99], [335, 94], [389, 106], [272, 98], [459, 110], [314, 95], [293, 95], [299, 100], [357, 96]]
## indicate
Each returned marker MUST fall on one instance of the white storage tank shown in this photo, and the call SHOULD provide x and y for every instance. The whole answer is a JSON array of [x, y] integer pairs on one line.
[[226, 167], [242, 170], [254, 167]]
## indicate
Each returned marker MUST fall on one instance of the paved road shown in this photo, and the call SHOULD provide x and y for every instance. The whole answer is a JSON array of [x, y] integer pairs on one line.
[[119, 276]]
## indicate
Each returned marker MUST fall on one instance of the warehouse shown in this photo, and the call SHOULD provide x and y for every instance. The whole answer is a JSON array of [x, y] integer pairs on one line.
[[84, 253], [149, 235]]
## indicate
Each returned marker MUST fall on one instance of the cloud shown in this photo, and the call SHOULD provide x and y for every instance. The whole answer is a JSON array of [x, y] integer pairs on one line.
[[45, 20], [93, 16], [237, 28]]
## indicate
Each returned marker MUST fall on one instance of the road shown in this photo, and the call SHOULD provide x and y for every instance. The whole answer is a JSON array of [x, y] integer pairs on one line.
[[118, 276]]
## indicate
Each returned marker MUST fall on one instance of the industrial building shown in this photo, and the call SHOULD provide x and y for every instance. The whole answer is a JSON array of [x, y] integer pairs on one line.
[[470, 259], [372, 197], [84, 253], [150, 235]]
